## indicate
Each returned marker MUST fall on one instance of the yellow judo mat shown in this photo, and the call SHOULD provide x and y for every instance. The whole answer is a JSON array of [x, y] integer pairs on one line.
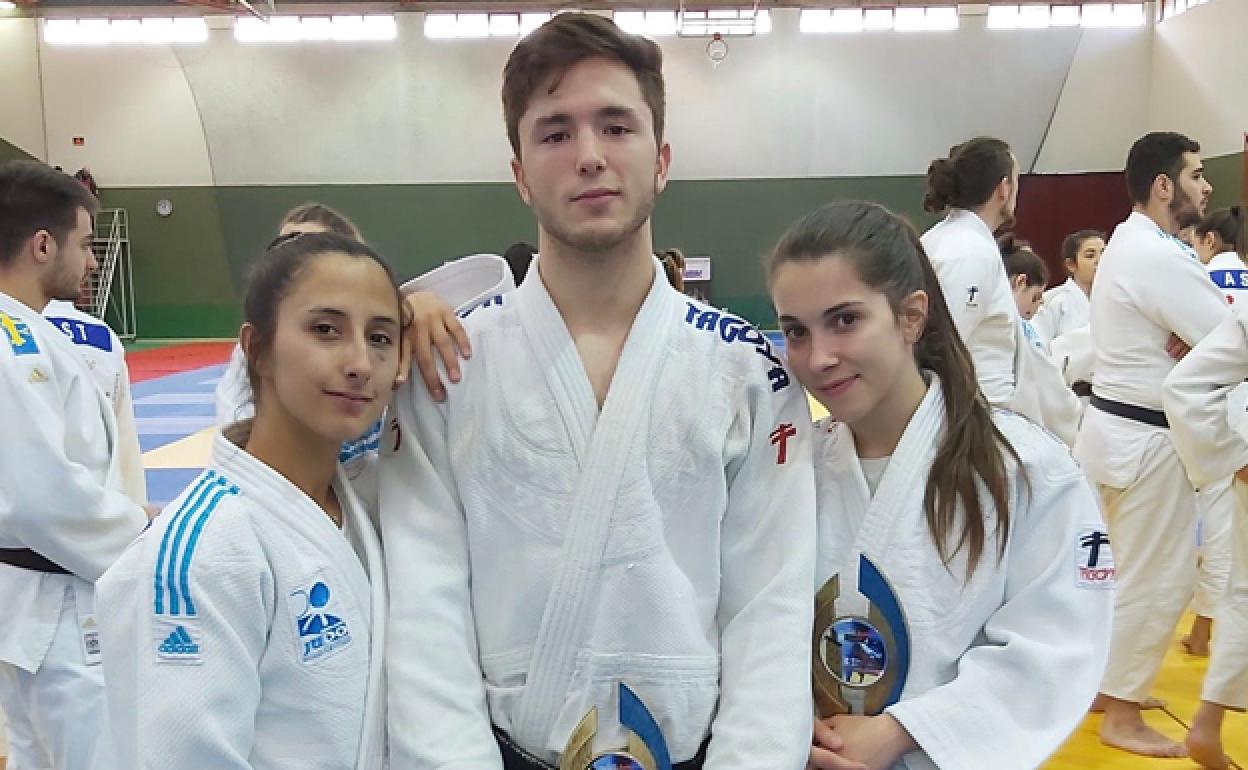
[[1179, 685]]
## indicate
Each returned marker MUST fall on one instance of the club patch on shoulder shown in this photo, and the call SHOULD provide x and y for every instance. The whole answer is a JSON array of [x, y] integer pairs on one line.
[[320, 629], [18, 335], [732, 329], [1094, 561], [177, 640]]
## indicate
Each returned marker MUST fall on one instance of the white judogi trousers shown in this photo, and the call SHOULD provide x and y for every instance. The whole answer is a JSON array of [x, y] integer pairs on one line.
[[1216, 508], [1150, 528], [55, 715], [1226, 680]]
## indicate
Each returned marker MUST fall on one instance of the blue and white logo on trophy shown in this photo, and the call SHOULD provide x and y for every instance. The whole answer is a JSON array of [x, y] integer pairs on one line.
[[861, 644]]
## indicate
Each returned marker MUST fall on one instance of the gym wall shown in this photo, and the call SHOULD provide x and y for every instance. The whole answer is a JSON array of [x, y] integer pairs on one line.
[[407, 137]]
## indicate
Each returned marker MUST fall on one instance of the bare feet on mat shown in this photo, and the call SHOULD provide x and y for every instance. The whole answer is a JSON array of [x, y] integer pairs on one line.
[[1124, 728], [1196, 642], [1195, 646], [1204, 742], [1149, 704], [1206, 751]]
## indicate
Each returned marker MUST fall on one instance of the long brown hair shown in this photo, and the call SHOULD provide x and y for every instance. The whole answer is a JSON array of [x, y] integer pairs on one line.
[[673, 261], [886, 252], [968, 177]]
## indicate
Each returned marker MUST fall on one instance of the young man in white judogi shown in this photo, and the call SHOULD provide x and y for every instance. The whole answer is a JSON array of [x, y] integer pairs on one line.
[[619, 490], [978, 185], [105, 358], [1149, 286], [64, 514]]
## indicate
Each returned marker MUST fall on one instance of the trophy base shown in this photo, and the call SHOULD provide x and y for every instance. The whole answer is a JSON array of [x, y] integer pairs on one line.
[[517, 758]]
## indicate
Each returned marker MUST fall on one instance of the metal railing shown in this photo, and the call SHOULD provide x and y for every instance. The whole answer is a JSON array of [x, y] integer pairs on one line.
[[108, 292]]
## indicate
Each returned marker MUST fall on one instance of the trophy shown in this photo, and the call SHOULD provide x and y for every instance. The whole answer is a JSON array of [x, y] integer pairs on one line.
[[861, 644], [646, 748]]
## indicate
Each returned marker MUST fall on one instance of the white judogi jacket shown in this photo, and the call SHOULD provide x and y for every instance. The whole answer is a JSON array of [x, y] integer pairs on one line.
[[542, 551], [244, 630], [1042, 395], [1003, 667], [1148, 285], [1065, 309], [1230, 275], [61, 491], [1196, 396], [972, 276], [1074, 354], [105, 357]]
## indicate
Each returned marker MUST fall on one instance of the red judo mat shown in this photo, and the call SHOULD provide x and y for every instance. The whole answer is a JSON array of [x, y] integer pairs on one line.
[[175, 358]]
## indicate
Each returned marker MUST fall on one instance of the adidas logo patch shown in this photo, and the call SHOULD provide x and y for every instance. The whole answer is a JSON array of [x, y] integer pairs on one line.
[[179, 645]]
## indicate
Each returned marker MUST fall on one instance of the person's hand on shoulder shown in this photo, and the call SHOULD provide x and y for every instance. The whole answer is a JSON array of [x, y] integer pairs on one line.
[[434, 327]]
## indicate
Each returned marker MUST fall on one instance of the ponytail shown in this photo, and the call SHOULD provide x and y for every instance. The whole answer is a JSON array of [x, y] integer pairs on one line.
[[886, 252]]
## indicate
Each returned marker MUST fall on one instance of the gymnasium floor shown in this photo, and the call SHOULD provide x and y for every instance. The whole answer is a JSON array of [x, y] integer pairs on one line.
[[173, 397]]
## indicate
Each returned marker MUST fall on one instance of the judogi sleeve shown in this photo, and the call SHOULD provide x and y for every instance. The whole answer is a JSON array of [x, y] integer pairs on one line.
[[1184, 301], [1048, 319], [766, 592], [48, 502], [438, 716], [130, 455], [1021, 692], [182, 689], [233, 396], [1195, 395], [967, 282]]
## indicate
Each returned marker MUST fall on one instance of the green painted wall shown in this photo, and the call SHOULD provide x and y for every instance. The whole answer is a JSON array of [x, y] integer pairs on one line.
[[12, 152], [1226, 175], [189, 268]]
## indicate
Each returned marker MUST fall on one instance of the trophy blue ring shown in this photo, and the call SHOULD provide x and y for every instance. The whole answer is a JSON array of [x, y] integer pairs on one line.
[[647, 749], [860, 660]]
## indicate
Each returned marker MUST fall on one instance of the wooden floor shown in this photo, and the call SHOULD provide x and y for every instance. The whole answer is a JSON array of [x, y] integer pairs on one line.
[[1179, 685]]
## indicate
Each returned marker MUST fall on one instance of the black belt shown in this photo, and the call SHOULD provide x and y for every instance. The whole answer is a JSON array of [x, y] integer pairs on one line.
[[516, 758], [1131, 412], [1082, 388], [28, 559]]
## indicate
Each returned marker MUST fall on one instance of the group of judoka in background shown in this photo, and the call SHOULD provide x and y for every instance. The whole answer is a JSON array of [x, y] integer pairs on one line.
[[607, 494], [1132, 308]]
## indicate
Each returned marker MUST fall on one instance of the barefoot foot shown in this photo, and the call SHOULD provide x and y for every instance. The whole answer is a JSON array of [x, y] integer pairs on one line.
[[1195, 645], [1124, 728]]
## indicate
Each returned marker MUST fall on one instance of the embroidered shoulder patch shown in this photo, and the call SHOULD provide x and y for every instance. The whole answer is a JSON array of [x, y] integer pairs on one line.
[[732, 329], [1094, 561], [18, 335]]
